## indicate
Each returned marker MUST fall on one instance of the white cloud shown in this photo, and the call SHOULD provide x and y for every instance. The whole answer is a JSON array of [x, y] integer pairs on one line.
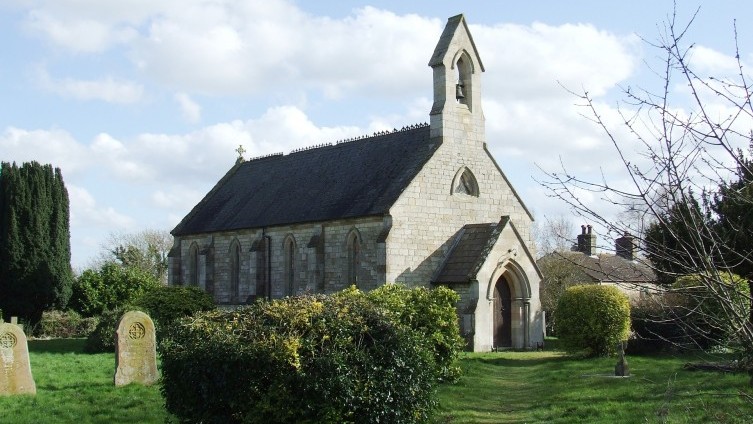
[[190, 109], [530, 62], [85, 211], [56, 147], [107, 89], [79, 35]]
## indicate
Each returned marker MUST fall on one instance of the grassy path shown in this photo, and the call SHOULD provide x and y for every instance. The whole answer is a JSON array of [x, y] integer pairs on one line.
[[518, 387]]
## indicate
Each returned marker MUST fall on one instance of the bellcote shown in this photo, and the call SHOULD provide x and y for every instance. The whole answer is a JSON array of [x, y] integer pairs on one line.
[[457, 70]]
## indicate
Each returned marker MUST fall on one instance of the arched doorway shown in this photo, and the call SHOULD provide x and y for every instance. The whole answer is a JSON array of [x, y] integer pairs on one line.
[[502, 314]]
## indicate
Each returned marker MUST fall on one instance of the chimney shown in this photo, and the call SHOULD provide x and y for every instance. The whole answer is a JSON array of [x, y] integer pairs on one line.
[[587, 240], [625, 247]]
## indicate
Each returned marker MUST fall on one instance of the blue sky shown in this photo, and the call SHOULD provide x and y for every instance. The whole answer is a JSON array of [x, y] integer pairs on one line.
[[142, 103]]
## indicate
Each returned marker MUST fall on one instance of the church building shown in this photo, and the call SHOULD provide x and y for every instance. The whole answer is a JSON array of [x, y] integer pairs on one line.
[[425, 205]]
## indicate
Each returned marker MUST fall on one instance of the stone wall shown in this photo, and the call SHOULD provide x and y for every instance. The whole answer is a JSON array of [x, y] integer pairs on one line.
[[320, 262], [428, 214]]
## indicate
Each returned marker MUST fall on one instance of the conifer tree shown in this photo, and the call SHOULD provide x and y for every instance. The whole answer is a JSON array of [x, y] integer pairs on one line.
[[35, 253]]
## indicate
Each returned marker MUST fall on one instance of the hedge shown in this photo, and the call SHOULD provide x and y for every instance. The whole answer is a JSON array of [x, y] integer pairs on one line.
[[711, 309], [315, 359], [65, 324]]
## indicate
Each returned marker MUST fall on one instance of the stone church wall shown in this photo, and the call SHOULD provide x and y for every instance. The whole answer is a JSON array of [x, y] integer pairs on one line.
[[428, 215], [320, 262]]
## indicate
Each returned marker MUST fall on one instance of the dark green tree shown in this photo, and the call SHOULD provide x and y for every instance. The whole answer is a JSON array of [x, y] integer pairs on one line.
[[734, 221], [672, 241], [35, 251]]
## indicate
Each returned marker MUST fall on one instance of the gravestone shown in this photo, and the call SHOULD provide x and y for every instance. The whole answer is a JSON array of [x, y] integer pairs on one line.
[[621, 369], [135, 350], [15, 369]]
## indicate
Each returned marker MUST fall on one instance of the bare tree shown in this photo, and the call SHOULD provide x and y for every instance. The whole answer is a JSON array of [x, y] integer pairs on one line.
[[554, 234], [146, 250], [680, 146]]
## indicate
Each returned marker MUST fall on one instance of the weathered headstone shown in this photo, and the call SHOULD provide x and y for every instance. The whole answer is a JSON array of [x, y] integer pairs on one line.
[[135, 350], [621, 369], [15, 369]]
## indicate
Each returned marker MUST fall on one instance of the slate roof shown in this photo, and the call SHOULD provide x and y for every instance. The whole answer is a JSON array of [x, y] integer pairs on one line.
[[473, 244], [607, 268], [357, 178]]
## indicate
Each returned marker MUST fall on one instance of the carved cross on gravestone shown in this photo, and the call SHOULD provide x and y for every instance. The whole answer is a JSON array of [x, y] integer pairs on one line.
[[621, 369], [15, 369], [135, 350]]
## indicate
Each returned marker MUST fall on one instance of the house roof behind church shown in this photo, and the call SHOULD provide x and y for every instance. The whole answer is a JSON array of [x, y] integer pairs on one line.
[[606, 268], [357, 178]]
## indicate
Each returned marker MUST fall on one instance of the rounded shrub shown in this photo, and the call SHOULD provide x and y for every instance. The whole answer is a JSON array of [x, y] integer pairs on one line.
[[593, 318], [315, 359], [711, 309], [432, 313]]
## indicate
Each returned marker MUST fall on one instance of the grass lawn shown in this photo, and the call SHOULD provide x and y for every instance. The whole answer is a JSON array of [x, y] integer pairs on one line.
[[506, 387], [74, 387], [517, 387]]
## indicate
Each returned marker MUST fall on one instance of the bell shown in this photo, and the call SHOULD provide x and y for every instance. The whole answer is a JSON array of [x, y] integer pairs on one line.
[[459, 91]]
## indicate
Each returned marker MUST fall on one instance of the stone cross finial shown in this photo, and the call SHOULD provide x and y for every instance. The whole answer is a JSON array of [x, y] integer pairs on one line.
[[240, 151]]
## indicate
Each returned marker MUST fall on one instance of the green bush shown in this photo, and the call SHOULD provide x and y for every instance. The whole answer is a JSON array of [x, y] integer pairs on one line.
[[655, 327], [164, 305], [167, 304], [102, 339], [432, 313], [312, 359], [60, 324], [593, 318], [711, 309], [109, 287]]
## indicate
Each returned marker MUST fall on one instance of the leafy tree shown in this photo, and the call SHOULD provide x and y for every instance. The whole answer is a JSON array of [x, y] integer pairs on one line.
[[35, 252], [108, 288]]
